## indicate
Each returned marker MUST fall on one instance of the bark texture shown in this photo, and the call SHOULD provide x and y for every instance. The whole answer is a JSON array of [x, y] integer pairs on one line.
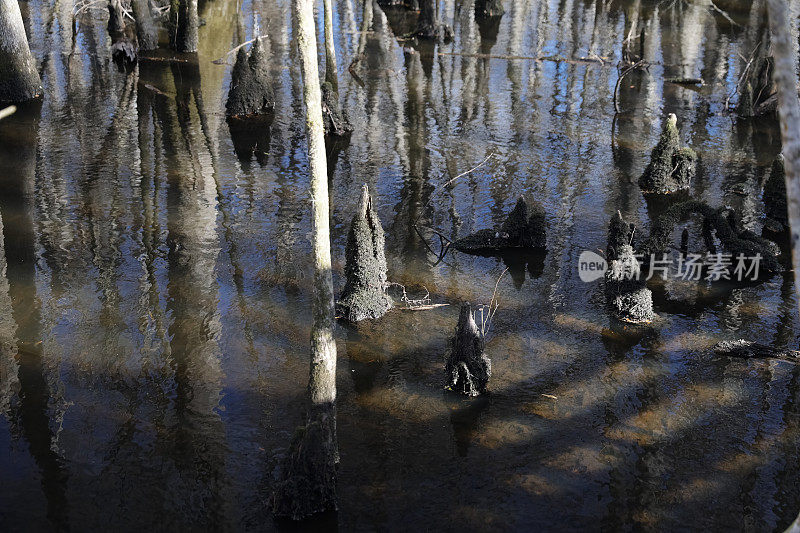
[[671, 167], [627, 295], [364, 294], [789, 112], [19, 79], [330, 49], [467, 369], [183, 22], [146, 28], [308, 483], [250, 93]]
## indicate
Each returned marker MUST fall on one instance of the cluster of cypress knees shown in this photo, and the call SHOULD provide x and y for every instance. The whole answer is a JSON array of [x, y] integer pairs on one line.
[[671, 169]]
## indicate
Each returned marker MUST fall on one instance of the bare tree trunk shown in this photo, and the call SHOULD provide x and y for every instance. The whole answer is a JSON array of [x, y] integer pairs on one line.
[[330, 49], [308, 485], [19, 79], [789, 111], [183, 25]]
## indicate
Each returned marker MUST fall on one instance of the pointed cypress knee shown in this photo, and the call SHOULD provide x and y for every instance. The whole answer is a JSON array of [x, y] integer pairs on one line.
[[672, 167], [250, 93], [468, 369], [364, 293]]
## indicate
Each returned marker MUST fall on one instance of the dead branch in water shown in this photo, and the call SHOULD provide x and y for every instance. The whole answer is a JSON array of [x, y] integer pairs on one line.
[[624, 73], [418, 304], [224, 59], [491, 309], [7, 112]]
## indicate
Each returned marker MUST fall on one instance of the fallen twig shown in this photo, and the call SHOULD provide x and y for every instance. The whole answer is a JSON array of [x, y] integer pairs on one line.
[[222, 60], [7, 112], [619, 81]]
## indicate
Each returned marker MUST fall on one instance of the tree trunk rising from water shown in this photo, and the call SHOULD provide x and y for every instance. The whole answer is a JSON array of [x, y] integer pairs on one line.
[[19, 79], [183, 23], [330, 49], [789, 111], [308, 484]]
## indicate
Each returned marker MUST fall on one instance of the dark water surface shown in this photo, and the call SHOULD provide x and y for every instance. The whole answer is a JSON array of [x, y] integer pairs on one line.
[[155, 311]]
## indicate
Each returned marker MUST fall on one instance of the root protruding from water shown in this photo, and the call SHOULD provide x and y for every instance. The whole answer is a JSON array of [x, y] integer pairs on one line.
[[672, 167], [628, 298], [364, 294], [250, 93], [467, 369]]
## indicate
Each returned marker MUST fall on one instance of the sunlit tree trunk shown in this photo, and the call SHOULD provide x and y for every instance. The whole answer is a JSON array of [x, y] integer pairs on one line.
[[308, 485], [789, 111], [183, 25], [19, 79], [330, 49]]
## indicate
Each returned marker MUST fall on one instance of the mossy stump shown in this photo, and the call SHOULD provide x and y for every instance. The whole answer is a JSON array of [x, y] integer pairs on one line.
[[672, 167], [364, 294], [628, 298], [250, 93], [467, 370], [524, 229]]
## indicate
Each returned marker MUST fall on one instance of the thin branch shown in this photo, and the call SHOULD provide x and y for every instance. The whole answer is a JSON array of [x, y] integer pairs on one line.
[[473, 169], [724, 14], [222, 60], [619, 81], [7, 112]]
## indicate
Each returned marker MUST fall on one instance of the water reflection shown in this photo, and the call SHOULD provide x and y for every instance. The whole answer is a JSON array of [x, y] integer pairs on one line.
[[153, 352]]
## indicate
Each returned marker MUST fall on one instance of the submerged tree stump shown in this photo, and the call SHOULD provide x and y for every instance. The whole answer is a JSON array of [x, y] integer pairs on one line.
[[759, 94], [627, 295], [745, 349], [467, 369], [250, 93], [723, 233], [524, 229], [671, 166], [364, 294]]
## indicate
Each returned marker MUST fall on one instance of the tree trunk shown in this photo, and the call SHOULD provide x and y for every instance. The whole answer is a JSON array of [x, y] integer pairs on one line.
[[308, 484], [330, 49], [19, 79], [426, 24], [146, 29], [183, 25], [789, 111]]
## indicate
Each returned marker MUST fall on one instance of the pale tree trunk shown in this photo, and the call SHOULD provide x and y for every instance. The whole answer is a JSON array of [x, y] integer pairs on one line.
[[183, 25], [308, 484], [330, 49], [789, 111], [19, 79]]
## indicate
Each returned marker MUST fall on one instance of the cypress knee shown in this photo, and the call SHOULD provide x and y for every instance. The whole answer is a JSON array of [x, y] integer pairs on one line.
[[364, 294], [467, 369]]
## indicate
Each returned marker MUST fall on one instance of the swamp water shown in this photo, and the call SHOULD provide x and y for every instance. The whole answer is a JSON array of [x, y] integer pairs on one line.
[[155, 311]]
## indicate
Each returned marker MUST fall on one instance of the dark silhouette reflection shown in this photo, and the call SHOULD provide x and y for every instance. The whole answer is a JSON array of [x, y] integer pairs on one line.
[[464, 418], [251, 138], [32, 410]]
